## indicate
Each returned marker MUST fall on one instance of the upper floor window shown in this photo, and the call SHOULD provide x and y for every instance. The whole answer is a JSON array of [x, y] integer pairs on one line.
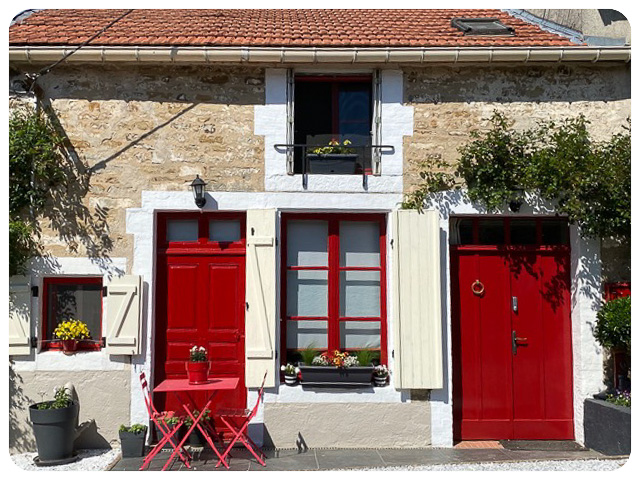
[[333, 124]]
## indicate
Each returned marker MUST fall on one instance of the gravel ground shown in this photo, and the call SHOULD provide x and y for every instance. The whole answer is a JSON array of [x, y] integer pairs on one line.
[[556, 465], [88, 460]]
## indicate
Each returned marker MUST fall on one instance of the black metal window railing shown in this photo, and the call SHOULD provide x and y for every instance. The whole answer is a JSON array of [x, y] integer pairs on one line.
[[334, 157]]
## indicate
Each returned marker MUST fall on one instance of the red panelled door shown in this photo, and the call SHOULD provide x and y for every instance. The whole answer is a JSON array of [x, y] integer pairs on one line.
[[511, 342], [200, 301]]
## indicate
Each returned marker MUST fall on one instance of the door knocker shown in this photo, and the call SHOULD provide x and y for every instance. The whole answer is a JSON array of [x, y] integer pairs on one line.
[[477, 288]]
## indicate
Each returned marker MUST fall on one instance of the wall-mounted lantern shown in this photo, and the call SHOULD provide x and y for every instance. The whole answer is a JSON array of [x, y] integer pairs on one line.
[[198, 191], [517, 199]]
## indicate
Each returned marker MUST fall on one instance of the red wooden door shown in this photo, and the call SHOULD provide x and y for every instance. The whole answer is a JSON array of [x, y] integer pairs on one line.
[[200, 301], [512, 376]]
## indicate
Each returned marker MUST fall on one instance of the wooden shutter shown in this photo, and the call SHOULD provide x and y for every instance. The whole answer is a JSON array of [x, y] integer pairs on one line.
[[290, 120], [376, 128], [417, 311], [19, 317], [260, 315], [124, 326]]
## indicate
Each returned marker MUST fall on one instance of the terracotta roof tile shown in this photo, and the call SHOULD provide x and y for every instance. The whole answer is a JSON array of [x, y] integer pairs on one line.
[[318, 28]]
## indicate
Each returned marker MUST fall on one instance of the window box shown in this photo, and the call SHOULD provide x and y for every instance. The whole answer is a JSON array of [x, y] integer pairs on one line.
[[332, 163], [320, 376]]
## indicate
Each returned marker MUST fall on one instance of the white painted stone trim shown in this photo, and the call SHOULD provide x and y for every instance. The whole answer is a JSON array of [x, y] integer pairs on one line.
[[585, 295], [270, 120], [141, 223], [49, 361]]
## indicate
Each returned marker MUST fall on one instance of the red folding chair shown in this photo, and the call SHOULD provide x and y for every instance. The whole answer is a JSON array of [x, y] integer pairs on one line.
[[167, 432], [227, 416]]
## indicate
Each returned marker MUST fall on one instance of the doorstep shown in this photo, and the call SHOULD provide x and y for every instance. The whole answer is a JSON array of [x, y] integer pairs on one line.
[[334, 459]]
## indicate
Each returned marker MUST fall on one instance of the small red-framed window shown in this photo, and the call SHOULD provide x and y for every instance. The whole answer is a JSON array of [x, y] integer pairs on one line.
[[333, 283], [613, 290], [65, 298]]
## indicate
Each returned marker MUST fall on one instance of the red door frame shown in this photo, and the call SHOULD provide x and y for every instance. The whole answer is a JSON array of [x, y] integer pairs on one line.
[[334, 269], [502, 250], [202, 247]]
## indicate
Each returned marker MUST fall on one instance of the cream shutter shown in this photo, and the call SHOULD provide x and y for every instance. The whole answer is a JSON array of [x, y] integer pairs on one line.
[[19, 316], [417, 312], [124, 326], [260, 315]]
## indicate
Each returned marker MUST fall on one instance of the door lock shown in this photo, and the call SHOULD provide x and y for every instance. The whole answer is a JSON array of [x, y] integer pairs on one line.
[[514, 304], [514, 342]]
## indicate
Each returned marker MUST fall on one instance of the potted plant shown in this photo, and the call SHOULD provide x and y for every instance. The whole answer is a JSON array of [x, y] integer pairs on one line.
[[171, 419], [195, 437], [335, 157], [290, 374], [336, 369], [70, 332], [607, 417], [54, 426], [380, 375], [132, 440], [198, 366]]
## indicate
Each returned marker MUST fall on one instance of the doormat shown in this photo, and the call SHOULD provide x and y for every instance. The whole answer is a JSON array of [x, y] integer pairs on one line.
[[543, 445]]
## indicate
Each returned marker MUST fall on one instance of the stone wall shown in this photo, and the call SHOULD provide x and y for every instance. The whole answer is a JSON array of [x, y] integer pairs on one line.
[[451, 101], [146, 128]]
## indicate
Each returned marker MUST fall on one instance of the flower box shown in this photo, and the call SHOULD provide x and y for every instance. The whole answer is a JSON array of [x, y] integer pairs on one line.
[[320, 376], [607, 427], [332, 163]]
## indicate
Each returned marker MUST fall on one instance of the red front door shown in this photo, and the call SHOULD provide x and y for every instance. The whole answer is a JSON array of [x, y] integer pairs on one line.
[[511, 338], [200, 301]]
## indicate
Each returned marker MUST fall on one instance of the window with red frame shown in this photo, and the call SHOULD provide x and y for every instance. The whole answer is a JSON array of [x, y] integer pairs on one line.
[[78, 298], [333, 108], [333, 283]]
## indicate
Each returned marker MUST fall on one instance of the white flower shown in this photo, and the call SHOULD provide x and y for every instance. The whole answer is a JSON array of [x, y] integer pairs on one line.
[[202, 349], [297, 370], [283, 368]]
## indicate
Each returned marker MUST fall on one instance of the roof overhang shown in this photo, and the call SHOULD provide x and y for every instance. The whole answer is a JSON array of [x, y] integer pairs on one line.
[[284, 55]]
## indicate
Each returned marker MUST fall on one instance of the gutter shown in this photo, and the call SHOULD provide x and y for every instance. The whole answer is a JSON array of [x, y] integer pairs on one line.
[[286, 55]]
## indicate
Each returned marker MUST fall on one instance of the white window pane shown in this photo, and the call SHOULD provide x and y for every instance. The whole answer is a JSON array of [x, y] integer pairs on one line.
[[307, 243], [307, 333], [307, 293], [224, 230], [360, 294], [359, 244], [182, 230], [355, 334]]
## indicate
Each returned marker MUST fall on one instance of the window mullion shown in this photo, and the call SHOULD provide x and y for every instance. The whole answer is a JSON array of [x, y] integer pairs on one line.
[[333, 326]]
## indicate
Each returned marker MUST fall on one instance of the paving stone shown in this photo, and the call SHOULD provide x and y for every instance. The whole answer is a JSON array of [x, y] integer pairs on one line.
[[331, 459]]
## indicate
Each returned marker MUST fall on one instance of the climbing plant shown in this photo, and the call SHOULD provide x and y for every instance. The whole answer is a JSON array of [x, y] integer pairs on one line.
[[589, 181], [35, 168]]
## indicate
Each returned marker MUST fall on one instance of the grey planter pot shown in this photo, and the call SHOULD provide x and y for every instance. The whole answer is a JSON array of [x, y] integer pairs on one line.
[[607, 427], [55, 432], [313, 376], [132, 444], [332, 163]]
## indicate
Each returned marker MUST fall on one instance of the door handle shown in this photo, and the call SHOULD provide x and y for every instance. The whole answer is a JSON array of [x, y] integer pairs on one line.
[[514, 342]]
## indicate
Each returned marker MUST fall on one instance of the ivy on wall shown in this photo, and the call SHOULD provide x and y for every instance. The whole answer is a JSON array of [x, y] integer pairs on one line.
[[35, 168], [588, 181]]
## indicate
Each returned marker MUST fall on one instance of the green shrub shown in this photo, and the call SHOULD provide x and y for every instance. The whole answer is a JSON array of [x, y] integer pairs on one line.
[[613, 327], [135, 428], [61, 399]]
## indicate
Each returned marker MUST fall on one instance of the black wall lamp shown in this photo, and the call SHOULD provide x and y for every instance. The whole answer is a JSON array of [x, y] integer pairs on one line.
[[198, 191], [517, 199]]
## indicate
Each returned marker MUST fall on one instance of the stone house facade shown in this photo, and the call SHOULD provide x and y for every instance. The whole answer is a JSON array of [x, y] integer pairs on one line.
[[145, 118]]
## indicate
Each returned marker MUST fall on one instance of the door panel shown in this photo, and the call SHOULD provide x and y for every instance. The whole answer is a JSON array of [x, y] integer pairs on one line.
[[484, 389], [200, 302], [499, 394]]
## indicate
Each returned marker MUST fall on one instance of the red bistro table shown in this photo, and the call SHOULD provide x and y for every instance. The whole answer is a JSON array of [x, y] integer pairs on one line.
[[213, 386]]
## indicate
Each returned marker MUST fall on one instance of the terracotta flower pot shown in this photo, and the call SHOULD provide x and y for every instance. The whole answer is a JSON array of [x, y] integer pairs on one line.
[[69, 346], [198, 372]]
